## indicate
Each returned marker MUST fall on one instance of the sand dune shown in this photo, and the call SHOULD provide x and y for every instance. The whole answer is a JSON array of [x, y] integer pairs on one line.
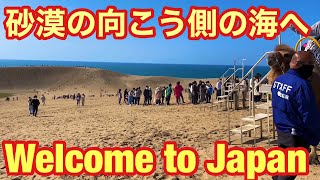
[[103, 123], [59, 78]]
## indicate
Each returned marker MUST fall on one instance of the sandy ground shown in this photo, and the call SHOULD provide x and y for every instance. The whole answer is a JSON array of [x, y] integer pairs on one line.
[[103, 123]]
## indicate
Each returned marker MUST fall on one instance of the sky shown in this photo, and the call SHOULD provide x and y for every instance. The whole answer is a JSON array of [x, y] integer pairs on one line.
[[181, 50]]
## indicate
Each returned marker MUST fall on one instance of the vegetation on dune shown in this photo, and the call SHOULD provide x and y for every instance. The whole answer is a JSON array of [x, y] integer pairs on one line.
[[5, 94]]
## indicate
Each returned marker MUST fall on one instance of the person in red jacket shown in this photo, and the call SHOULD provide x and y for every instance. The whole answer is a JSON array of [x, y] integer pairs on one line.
[[178, 92]]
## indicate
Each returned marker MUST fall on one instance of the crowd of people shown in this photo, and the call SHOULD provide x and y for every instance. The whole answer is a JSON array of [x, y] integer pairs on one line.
[[79, 98], [198, 93]]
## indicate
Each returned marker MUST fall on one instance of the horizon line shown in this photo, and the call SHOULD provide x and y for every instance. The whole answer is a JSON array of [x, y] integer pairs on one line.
[[97, 61]]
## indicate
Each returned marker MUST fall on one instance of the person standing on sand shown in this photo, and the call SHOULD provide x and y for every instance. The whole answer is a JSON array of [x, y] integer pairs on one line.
[[168, 94], [30, 106], [177, 92], [134, 96], [203, 92], [130, 97], [83, 97], [119, 94], [218, 88], [209, 92], [158, 95], [190, 92], [146, 95], [295, 111], [195, 93], [78, 98], [138, 95], [163, 94], [125, 95], [35, 104], [150, 96], [43, 100]]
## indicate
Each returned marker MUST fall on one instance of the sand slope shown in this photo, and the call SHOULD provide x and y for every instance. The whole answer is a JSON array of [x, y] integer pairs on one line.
[[59, 78], [103, 123]]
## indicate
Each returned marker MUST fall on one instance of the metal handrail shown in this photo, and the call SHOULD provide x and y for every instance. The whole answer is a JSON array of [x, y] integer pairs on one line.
[[225, 72], [262, 80], [233, 74], [236, 86]]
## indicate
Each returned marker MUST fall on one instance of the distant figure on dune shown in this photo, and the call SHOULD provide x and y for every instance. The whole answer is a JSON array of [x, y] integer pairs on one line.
[[30, 106], [7, 99], [78, 98], [43, 99], [168, 94], [119, 94], [35, 104], [178, 92], [83, 98]]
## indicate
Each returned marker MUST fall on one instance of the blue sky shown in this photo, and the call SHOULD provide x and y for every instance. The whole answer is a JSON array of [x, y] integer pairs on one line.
[[221, 51]]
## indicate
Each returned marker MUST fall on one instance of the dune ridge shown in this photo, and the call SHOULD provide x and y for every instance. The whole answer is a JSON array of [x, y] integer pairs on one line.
[[66, 77]]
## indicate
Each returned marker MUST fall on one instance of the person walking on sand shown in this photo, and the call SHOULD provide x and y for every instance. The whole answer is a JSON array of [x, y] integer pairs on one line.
[[83, 97], [43, 100], [177, 92], [30, 106], [35, 104], [119, 94], [168, 94], [78, 98]]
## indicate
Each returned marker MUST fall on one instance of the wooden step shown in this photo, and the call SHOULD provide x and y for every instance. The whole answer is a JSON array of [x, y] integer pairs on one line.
[[257, 117], [264, 106], [222, 100], [245, 128], [221, 97]]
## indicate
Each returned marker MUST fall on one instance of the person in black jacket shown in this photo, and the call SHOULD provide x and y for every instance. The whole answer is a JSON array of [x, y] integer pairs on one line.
[[35, 103], [146, 95]]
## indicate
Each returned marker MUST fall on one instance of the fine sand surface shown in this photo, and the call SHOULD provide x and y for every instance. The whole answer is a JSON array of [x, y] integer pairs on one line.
[[103, 123]]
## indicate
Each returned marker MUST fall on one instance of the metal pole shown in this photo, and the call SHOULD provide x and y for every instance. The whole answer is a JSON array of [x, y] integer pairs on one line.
[[300, 42], [253, 113], [279, 39]]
